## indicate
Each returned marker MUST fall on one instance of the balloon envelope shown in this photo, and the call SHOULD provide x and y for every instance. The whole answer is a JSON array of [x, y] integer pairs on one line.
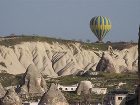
[[100, 26]]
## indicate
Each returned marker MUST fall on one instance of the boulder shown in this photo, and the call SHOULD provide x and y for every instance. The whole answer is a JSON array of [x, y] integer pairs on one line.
[[84, 87], [11, 98], [33, 82], [53, 97], [106, 63], [2, 91]]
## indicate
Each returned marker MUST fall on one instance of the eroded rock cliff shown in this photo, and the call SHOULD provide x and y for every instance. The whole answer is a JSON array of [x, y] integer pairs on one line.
[[33, 82], [60, 59]]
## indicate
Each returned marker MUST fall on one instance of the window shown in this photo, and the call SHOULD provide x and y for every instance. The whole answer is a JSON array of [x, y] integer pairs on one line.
[[71, 88], [119, 98], [66, 88]]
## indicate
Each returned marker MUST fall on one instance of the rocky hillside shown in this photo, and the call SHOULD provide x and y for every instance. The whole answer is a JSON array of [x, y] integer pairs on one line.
[[59, 58]]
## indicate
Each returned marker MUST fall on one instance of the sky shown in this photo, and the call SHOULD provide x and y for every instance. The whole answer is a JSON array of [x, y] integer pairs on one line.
[[69, 19]]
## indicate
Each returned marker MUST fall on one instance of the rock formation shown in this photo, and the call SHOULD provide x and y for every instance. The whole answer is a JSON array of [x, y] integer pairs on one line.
[[106, 63], [61, 59], [84, 87], [53, 97], [119, 61], [11, 98], [2, 91], [33, 82]]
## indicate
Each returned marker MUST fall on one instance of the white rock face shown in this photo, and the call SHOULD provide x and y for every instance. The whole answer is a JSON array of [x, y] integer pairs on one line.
[[59, 59], [85, 87], [126, 60]]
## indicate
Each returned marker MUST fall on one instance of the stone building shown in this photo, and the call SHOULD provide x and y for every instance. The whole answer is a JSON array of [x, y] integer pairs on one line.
[[116, 97], [68, 88]]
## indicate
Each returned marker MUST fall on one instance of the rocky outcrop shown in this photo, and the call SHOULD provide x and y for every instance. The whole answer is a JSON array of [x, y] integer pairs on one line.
[[106, 63], [11, 98], [2, 91], [33, 82], [59, 59], [53, 97], [84, 87], [119, 61]]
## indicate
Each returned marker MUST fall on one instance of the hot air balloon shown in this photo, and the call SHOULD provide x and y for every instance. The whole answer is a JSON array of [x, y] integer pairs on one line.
[[100, 26]]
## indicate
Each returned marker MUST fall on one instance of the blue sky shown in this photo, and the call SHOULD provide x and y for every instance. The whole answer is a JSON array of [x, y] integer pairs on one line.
[[69, 19]]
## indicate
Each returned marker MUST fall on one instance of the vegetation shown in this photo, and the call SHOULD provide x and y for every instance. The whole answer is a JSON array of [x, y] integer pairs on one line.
[[118, 76], [73, 97], [70, 80], [10, 41], [10, 79], [108, 80], [95, 46]]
